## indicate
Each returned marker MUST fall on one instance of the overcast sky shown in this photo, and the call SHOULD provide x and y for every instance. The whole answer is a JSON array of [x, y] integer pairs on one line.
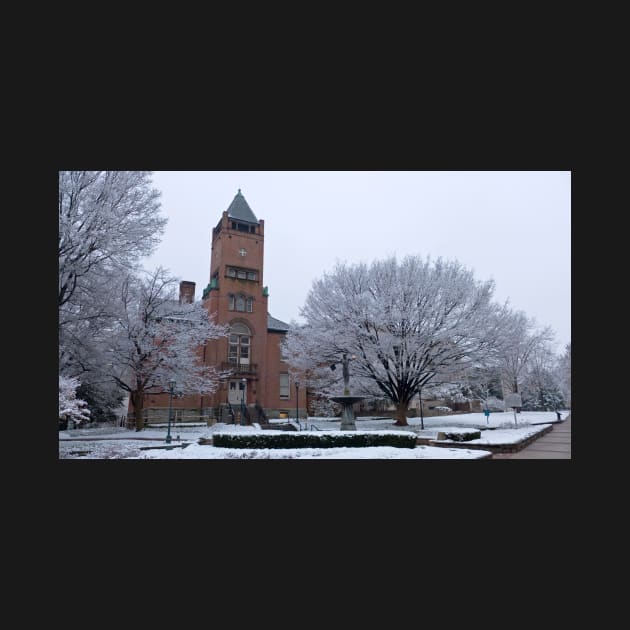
[[512, 227]]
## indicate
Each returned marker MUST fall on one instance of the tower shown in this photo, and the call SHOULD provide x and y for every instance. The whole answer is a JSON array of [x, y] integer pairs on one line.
[[252, 351], [237, 297]]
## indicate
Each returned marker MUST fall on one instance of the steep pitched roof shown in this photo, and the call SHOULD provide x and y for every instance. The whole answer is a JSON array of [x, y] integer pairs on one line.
[[240, 210], [276, 324]]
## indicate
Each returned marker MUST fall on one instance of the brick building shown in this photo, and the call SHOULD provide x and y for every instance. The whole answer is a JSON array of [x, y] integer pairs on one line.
[[237, 294]]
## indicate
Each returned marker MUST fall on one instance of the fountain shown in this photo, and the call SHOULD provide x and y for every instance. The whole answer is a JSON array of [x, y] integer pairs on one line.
[[347, 416]]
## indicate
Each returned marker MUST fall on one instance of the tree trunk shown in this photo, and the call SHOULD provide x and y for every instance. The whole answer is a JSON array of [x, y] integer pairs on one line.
[[401, 414], [137, 399]]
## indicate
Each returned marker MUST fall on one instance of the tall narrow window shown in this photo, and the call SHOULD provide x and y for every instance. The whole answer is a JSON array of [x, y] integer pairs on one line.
[[244, 349], [239, 344], [233, 348], [284, 386], [250, 304]]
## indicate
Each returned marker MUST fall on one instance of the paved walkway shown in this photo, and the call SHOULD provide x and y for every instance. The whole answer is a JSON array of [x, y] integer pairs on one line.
[[553, 445]]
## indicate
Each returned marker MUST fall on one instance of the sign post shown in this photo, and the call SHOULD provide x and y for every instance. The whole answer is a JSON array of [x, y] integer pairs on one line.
[[514, 401]]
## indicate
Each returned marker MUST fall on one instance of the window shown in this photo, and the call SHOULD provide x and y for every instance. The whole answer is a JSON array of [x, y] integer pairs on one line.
[[244, 345], [239, 344], [284, 386], [241, 274], [240, 302]]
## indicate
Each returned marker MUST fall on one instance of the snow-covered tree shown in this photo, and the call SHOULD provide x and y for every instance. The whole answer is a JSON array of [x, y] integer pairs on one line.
[[71, 407], [108, 221], [540, 388], [159, 339], [563, 374], [521, 340], [483, 383], [402, 326]]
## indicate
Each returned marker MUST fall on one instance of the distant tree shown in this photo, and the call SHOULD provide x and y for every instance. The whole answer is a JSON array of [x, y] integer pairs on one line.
[[546, 397], [71, 407], [159, 339], [563, 374], [482, 383], [541, 391], [521, 339], [402, 325]]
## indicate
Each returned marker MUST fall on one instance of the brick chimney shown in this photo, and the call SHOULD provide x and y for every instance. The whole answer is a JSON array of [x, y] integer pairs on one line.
[[186, 292]]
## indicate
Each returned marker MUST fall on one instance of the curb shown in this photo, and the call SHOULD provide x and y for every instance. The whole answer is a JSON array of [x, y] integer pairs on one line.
[[493, 448]]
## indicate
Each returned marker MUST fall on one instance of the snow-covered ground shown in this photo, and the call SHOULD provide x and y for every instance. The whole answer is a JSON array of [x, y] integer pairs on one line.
[[120, 443]]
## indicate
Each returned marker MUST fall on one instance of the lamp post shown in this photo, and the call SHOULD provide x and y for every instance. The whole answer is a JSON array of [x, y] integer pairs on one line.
[[244, 381], [297, 393], [421, 412], [171, 386]]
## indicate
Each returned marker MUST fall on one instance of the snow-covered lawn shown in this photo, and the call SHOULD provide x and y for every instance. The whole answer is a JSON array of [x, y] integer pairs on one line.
[[120, 443]]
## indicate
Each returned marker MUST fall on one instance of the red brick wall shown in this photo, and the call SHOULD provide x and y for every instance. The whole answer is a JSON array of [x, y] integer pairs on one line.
[[272, 382]]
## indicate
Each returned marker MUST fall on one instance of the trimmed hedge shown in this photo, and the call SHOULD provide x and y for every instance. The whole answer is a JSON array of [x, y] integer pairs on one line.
[[313, 440], [463, 436]]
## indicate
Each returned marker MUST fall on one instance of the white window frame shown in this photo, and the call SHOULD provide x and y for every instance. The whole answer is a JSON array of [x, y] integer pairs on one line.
[[285, 387]]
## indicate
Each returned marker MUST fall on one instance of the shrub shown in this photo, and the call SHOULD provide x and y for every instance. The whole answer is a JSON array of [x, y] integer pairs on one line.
[[71, 407], [399, 439], [462, 436]]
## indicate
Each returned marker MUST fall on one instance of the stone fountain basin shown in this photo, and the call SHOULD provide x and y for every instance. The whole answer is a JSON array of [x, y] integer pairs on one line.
[[348, 400]]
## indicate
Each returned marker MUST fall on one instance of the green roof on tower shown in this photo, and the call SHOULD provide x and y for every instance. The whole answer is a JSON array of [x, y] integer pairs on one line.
[[240, 210]]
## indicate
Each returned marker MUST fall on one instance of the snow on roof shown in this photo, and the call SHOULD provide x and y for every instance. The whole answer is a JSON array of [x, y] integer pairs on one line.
[[276, 324]]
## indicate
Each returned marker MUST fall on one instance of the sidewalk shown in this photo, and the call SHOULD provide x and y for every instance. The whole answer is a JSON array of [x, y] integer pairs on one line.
[[553, 445]]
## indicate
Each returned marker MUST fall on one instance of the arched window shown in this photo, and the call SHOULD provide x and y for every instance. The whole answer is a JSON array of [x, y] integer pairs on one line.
[[239, 346]]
